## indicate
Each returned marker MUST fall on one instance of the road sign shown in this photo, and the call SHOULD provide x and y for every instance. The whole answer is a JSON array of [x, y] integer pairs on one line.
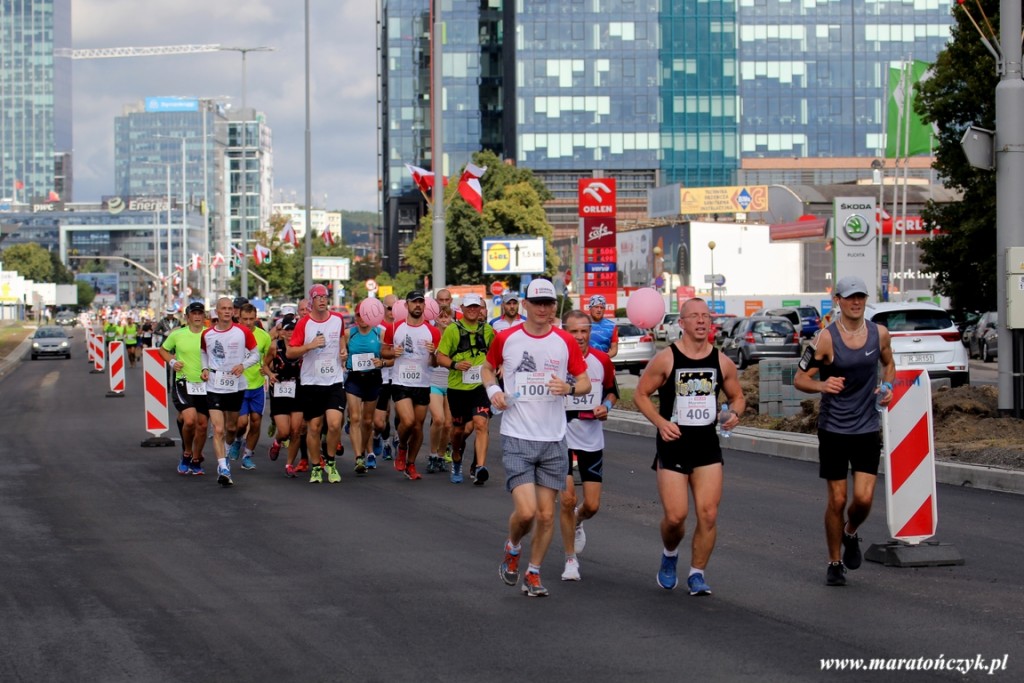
[[330, 268], [497, 287], [513, 255], [371, 285], [716, 278]]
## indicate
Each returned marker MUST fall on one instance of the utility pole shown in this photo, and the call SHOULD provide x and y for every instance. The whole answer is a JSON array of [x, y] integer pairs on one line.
[[437, 154]]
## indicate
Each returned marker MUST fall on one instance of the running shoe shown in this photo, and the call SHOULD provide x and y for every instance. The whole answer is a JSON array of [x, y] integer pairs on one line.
[[851, 551], [509, 569], [572, 570], [481, 476], [400, 460], [411, 473], [378, 445], [388, 453], [316, 475], [667, 574], [579, 539], [333, 475], [290, 472], [371, 462], [836, 574], [234, 449], [698, 586], [183, 467], [360, 465], [456, 476], [532, 587], [303, 465], [340, 450], [271, 429], [275, 449], [431, 464], [472, 471], [224, 476], [247, 463], [195, 468]]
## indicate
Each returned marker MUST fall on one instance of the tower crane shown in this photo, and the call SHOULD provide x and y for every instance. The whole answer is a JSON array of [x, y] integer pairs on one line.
[[154, 51]]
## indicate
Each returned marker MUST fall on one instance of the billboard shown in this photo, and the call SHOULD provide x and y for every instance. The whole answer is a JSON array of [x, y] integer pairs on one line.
[[705, 200], [105, 285], [172, 104]]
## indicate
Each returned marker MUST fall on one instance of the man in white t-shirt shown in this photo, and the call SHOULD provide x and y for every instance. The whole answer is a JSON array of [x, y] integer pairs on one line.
[[509, 313], [536, 360]]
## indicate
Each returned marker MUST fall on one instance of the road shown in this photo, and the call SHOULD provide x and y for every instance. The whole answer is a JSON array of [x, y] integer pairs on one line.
[[117, 569]]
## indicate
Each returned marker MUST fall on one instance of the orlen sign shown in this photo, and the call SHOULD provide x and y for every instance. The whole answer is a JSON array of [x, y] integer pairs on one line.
[[597, 197]]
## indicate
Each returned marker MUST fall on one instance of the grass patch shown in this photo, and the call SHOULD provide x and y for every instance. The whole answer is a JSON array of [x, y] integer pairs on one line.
[[625, 401], [12, 334]]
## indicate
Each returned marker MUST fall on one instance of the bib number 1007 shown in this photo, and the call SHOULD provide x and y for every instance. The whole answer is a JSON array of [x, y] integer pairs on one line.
[[532, 386]]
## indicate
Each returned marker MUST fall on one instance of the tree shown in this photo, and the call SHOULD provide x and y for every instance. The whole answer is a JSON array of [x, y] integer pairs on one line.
[[86, 293], [30, 261], [960, 93], [513, 206], [61, 274]]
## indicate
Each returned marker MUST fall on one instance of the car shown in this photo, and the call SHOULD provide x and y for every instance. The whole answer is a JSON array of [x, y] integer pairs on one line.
[[66, 319], [724, 328], [758, 337], [810, 320], [923, 336], [661, 330], [983, 341], [636, 348], [717, 322], [51, 341]]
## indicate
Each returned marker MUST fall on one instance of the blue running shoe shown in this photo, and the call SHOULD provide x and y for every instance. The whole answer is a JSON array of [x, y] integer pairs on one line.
[[371, 462], [378, 445], [183, 465], [480, 476], [224, 476], [195, 468], [456, 476], [234, 449], [697, 585], [247, 463], [388, 453], [667, 574]]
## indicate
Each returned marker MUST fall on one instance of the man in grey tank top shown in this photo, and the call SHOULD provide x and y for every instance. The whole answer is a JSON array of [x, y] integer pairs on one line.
[[843, 365]]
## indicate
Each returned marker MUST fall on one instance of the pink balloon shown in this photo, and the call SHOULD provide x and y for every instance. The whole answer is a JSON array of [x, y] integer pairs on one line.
[[371, 311], [431, 309], [399, 311], [645, 308]]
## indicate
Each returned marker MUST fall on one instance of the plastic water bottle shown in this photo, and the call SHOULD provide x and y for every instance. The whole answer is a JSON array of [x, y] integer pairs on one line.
[[879, 393], [509, 400], [722, 417]]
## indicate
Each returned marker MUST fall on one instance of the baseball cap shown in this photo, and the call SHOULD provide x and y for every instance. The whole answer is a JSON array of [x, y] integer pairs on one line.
[[597, 300], [850, 285], [317, 290], [416, 295], [472, 300], [509, 296], [196, 307], [239, 302], [541, 290], [169, 311], [288, 309]]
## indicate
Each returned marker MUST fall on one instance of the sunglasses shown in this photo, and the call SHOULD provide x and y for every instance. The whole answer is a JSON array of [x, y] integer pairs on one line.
[[387, 308]]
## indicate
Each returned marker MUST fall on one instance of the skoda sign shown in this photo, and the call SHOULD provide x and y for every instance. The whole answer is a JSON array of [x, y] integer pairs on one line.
[[855, 244], [856, 227]]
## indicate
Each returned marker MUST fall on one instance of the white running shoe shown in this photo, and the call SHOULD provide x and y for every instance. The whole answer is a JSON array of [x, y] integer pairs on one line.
[[572, 570]]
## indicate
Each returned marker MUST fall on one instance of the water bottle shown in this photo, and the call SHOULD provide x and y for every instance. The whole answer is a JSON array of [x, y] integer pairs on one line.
[[509, 400], [879, 393], [722, 417]]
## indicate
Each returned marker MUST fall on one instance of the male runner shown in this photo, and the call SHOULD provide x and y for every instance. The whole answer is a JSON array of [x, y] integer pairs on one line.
[[382, 443], [182, 351], [285, 407], [604, 335], [509, 313], [250, 416]]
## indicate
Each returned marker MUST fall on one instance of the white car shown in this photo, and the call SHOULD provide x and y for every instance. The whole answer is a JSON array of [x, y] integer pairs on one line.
[[923, 336]]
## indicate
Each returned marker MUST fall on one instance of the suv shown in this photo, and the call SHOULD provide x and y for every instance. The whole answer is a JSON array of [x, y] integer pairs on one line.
[[923, 336], [756, 338], [983, 341]]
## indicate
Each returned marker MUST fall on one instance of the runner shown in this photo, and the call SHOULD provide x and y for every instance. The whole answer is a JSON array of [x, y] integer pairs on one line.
[[462, 351], [604, 335], [382, 443], [440, 412], [412, 344], [362, 389], [509, 313], [585, 438], [131, 341], [285, 406], [688, 377], [250, 416], [319, 340], [182, 351], [536, 358]]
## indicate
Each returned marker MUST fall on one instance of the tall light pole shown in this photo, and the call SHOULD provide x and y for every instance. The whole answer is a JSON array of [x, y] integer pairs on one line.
[[437, 153], [184, 205], [714, 276], [242, 208], [307, 251]]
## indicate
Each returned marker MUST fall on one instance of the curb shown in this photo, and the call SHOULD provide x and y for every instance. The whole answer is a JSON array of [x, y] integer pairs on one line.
[[805, 447], [11, 361]]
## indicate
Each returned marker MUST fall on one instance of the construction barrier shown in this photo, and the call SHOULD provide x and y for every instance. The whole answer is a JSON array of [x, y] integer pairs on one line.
[[99, 353], [88, 344], [116, 369], [154, 373]]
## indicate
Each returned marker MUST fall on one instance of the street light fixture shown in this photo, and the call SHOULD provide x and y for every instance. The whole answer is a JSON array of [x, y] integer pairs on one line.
[[711, 246]]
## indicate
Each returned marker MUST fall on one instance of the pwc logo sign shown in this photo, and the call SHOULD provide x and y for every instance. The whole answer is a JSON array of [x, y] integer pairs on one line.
[[597, 197]]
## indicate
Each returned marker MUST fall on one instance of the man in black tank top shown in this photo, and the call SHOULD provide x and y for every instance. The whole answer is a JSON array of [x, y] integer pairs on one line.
[[846, 358], [688, 377]]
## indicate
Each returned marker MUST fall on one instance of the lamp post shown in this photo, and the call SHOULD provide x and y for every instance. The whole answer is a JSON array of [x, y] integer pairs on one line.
[[878, 175], [711, 246]]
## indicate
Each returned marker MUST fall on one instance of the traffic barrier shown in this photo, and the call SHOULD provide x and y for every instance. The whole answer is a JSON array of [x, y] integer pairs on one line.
[[88, 344], [116, 369], [98, 354], [911, 506], [154, 374]]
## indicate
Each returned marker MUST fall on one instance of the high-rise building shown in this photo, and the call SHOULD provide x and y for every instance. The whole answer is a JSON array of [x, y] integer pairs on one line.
[[35, 99]]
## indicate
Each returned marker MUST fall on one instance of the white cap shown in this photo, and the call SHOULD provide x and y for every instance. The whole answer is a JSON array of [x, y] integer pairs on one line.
[[541, 290]]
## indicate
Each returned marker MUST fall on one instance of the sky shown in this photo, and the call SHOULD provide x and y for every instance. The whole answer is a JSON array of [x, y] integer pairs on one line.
[[343, 90]]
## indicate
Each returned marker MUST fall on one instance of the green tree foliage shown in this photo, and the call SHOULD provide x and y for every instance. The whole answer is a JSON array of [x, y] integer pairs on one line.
[[960, 93], [61, 274], [513, 206], [30, 261], [403, 283], [86, 293]]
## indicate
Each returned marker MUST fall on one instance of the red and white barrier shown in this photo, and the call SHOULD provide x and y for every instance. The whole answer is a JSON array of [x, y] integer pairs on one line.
[[907, 431], [98, 353], [155, 380], [88, 344], [116, 366]]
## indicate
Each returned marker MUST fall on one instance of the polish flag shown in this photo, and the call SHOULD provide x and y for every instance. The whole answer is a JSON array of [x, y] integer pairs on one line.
[[423, 178], [178, 267], [53, 197], [469, 186], [287, 234], [217, 260], [18, 185], [328, 237], [261, 254], [195, 262]]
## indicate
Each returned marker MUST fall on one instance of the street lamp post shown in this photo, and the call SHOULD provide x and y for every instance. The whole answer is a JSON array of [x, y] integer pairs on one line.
[[711, 246]]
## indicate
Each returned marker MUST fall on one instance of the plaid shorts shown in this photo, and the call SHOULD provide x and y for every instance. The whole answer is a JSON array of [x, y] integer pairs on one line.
[[534, 462]]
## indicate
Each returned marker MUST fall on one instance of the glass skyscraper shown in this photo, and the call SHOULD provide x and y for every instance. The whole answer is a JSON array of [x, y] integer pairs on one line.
[[35, 99]]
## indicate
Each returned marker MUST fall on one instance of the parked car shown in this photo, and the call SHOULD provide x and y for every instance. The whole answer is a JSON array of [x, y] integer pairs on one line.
[[756, 338], [661, 330], [636, 348], [51, 341], [923, 336], [718, 322], [983, 341], [790, 314], [66, 319], [810, 320]]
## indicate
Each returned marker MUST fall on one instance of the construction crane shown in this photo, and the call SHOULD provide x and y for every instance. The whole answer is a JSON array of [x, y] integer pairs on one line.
[[154, 51]]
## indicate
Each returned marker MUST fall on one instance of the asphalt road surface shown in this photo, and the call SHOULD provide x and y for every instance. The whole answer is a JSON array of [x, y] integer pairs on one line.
[[115, 568]]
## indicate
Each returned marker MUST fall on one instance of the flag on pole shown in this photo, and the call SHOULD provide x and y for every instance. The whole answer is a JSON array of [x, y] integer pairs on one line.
[[902, 95], [53, 197], [328, 237], [287, 235], [423, 178], [469, 186], [261, 254], [178, 267], [217, 260], [195, 262], [238, 253], [18, 185]]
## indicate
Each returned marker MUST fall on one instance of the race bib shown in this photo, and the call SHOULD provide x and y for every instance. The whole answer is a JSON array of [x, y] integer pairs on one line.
[[195, 388], [409, 374], [532, 386], [327, 367], [363, 362], [587, 401], [285, 389], [224, 382], [694, 410], [472, 376]]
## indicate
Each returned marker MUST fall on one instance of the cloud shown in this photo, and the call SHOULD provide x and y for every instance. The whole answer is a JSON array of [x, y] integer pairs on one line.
[[342, 84]]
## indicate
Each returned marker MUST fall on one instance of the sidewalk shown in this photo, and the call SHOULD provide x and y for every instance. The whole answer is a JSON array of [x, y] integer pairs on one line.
[[805, 447]]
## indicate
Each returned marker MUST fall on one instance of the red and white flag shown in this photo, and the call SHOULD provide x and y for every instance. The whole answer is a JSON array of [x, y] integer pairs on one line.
[[217, 260], [18, 185], [328, 237], [287, 234], [237, 253], [261, 254], [178, 267], [469, 186], [53, 197], [423, 178], [195, 262]]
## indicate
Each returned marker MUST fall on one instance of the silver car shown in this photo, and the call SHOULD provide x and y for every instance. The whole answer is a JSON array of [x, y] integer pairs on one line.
[[51, 341], [753, 339], [636, 348]]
